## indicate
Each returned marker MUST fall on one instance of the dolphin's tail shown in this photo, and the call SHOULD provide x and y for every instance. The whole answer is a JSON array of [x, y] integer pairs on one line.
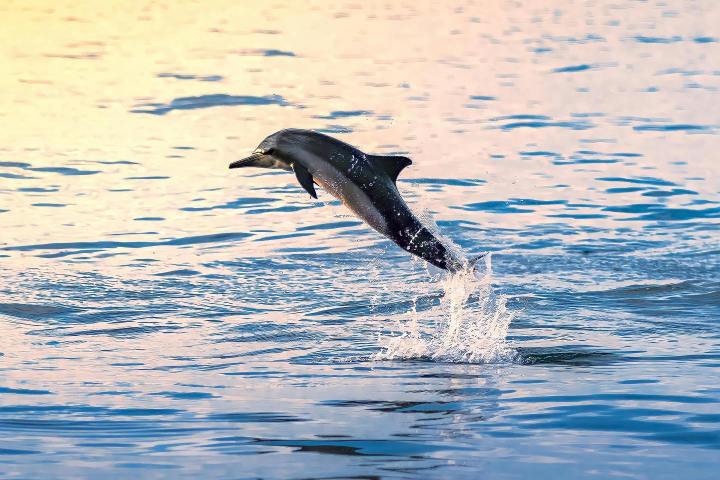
[[465, 265], [473, 262]]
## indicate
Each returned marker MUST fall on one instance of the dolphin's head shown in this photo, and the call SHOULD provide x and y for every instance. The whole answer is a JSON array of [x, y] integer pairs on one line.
[[269, 154]]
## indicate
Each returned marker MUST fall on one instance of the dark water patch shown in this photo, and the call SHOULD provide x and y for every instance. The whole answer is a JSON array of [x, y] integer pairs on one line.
[[23, 391], [573, 68], [540, 121], [446, 407], [15, 176], [209, 101], [182, 76], [616, 154], [484, 98], [147, 465], [395, 448], [658, 212], [51, 205], [22, 165], [577, 216], [32, 311], [626, 189], [149, 219], [453, 224], [186, 395], [639, 180], [64, 170], [15, 451], [454, 182], [343, 310], [662, 40], [123, 332], [585, 161], [686, 436], [679, 127], [680, 71], [503, 207], [38, 189], [71, 409], [625, 396], [705, 39], [344, 114], [182, 272], [568, 125], [266, 52], [640, 381], [115, 162], [540, 153], [568, 355], [669, 193], [103, 245], [521, 116], [255, 417], [259, 374], [587, 114], [639, 423], [705, 418]]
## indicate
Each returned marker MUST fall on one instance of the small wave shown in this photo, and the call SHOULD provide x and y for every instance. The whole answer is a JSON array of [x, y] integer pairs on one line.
[[470, 325], [184, 76], [207, 101]]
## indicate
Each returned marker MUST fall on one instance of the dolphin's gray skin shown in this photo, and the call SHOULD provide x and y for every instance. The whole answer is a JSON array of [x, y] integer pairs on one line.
[[364, 183]]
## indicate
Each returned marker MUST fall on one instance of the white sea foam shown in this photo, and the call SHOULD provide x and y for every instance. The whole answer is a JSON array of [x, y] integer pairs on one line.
[[469, 325]]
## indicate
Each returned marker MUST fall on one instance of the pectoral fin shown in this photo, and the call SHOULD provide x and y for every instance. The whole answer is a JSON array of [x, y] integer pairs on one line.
[[305, 178]]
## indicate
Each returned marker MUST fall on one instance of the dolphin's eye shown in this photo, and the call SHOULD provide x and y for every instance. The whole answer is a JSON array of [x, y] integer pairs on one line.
[[269, 151]]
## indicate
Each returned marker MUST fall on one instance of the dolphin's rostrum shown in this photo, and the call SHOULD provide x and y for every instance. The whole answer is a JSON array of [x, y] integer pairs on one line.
[[364, 183]]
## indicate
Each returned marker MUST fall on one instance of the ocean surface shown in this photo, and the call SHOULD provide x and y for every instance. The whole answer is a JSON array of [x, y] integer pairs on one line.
[[162, 316]]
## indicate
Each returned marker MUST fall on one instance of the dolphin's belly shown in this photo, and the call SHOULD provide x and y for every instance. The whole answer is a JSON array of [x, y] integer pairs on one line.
[[353, 198], [339, 186]]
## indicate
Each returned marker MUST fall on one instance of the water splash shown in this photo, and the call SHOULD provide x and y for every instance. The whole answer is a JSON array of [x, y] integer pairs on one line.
[[469, 325]]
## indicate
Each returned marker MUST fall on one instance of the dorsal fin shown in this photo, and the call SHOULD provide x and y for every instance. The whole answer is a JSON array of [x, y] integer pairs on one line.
[[392, 165]]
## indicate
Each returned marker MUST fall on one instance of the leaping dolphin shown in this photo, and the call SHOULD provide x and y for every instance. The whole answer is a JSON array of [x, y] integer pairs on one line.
[[364, 183]]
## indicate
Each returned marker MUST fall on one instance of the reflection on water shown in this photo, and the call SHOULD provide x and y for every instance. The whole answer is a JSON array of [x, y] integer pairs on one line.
[[163, 316]]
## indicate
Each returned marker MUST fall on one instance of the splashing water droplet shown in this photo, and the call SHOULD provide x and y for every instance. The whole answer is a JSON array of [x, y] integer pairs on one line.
[[469, 325]]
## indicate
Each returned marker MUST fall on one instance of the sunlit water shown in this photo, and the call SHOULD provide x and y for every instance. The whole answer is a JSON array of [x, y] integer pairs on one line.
[[164, 317]]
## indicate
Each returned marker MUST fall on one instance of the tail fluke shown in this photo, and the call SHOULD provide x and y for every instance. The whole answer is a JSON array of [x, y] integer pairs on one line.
[[472, 264]]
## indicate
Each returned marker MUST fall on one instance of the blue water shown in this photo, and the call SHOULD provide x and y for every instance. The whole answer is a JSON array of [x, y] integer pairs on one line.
[[164, 317]]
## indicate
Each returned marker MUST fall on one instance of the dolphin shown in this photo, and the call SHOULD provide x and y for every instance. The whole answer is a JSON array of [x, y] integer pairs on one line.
[[364, 183]]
